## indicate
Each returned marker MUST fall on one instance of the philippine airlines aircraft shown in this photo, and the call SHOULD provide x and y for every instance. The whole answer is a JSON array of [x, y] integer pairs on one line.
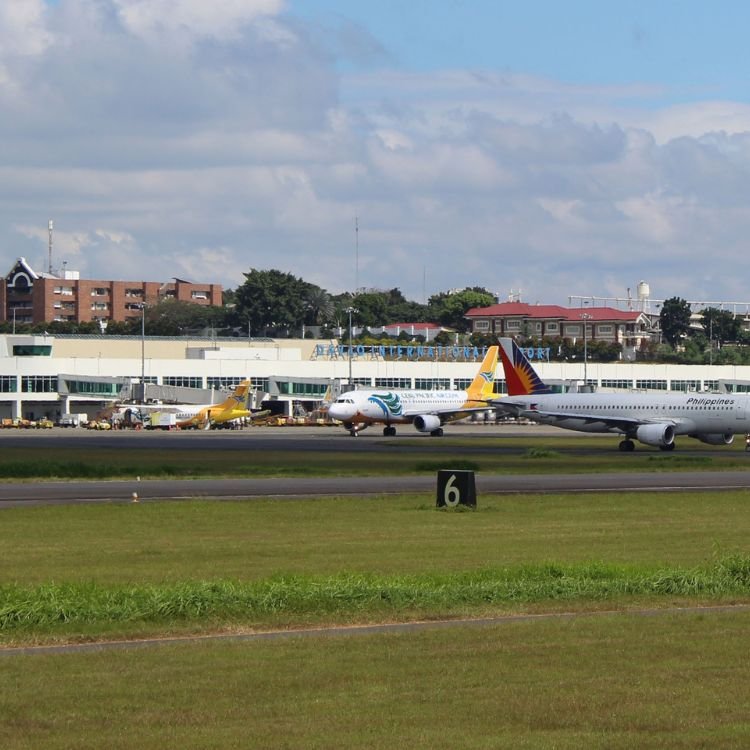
[[426, 410], [202, 416], [651, 418]]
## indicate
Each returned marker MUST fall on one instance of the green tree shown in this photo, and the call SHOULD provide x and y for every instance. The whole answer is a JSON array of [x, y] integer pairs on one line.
[[444, 338], [273, 302], [720, 325], [675, 320], [449, 308], [372, 308], [320, 306], [482, 339], [172, 317]]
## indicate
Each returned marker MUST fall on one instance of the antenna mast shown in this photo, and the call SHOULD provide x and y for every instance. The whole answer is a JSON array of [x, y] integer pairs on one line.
[[50, 226], [356, 254]]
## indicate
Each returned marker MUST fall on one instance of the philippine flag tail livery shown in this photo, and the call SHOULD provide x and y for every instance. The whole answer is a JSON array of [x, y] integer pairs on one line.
[[482, 388], [520, 376]]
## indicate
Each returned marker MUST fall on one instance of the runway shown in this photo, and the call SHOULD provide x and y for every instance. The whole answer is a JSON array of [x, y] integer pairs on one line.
[[333, 440], [57, 493]]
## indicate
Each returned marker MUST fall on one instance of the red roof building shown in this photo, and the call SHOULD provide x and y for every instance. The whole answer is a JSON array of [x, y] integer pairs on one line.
[[626, 327]]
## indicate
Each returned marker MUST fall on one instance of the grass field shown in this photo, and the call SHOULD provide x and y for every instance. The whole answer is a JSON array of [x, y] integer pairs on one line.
[[85, 572], [680, 681], [496, 455], [75, 571]]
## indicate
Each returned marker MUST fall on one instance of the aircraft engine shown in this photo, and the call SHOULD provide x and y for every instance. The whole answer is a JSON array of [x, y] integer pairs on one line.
[[655, 434], [714, 438], [426, 422]]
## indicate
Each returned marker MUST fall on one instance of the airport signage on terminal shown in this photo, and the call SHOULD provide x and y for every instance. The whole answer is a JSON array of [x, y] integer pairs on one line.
[[397, 352]]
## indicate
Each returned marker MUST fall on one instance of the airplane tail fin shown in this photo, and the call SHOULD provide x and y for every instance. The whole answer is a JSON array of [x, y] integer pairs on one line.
[[483, 385], [239, 397], [520, 376]]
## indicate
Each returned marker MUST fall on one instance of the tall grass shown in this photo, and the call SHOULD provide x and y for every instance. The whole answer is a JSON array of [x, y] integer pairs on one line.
[[354, 594]]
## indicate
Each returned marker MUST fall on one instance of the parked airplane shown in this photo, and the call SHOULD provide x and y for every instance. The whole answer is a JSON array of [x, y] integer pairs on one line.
[[426, 410], [199, 416], [651, 418]]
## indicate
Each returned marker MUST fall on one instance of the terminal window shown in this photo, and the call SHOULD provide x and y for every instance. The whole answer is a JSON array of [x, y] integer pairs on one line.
[[432, 384], [32, 350], [619, 384], [39, 384], [183, 382], [685, 385], [8, 383], [393, 382], [652, 385]]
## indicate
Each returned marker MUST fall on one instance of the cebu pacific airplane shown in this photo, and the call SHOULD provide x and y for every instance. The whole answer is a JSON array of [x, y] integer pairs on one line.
[[426, 410], [235, 406], [201, 416], [651, 418]]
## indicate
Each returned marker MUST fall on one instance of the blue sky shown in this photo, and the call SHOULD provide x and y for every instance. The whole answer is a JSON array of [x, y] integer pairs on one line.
[[692, 49], [557, 148]]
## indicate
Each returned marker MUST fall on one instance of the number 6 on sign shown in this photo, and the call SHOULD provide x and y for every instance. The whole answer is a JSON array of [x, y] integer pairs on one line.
[[451, 493], [455, 488]]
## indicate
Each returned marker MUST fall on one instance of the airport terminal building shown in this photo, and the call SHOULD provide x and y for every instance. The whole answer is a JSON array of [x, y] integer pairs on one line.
[[47, 376]]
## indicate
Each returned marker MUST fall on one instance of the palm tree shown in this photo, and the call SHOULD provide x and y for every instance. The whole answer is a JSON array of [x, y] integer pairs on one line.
[[320, 305]]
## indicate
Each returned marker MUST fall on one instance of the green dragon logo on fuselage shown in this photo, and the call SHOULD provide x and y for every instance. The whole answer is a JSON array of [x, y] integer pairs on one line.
[[389, 402]]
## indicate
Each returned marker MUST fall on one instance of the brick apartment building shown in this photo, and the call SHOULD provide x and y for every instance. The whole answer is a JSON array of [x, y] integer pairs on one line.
[[28, 296]]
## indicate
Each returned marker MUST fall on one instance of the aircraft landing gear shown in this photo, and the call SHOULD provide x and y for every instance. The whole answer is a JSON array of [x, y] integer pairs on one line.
[[627, 446], [437, 433], [389, 431], [354, 432], [669, 447]]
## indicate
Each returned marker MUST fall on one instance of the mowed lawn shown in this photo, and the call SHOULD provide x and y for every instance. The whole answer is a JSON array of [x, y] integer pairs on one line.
[[251, 540], [612, 681], [406, 455], [597, 680]]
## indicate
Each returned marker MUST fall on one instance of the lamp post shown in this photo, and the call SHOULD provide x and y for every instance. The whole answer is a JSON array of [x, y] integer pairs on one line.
[[14, 320], [585, 317], [350, 310], [143, 352]]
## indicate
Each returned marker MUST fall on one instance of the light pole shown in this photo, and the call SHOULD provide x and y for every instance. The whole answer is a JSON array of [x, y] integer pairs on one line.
[[143, 352], [14, 320], [585, 317], [350, 310]]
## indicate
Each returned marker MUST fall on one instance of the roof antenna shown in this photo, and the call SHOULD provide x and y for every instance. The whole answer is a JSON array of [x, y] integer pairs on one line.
[[50, 226]]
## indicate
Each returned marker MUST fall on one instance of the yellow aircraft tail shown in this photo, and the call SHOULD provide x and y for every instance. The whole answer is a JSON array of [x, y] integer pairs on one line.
[[238, 399], [482, 388]]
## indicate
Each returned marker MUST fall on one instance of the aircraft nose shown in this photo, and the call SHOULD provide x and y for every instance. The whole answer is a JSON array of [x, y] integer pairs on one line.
[[342, 412]]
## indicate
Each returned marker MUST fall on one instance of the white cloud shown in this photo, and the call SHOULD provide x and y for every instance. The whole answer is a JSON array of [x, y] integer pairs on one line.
[[222, 20], [22, 28], [199, 140]]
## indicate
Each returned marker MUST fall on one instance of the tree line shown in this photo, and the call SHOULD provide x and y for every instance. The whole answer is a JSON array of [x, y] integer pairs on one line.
[[718, 338], [273, 303]]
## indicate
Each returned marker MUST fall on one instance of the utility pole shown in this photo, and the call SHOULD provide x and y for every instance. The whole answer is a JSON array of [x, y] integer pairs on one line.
[[585, 317], [350, 310], [143, 352]]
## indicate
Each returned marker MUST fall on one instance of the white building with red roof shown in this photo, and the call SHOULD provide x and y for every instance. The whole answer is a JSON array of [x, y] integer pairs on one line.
[[626, 327]]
